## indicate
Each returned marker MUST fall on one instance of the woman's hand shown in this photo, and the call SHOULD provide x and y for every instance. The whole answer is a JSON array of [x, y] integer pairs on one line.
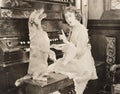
[[63, 37]]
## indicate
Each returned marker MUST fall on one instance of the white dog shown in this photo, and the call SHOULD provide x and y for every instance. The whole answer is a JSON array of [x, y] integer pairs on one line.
[[39, 48]]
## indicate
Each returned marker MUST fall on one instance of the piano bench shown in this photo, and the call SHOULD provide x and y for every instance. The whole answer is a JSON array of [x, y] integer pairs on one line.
[[55, 82]]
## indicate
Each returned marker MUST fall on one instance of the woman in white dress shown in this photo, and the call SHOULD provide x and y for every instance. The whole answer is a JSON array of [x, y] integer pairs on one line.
[[77, 62]]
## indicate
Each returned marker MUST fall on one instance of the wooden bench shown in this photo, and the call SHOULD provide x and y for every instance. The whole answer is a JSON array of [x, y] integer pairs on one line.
[[55, 82], [61, 82]]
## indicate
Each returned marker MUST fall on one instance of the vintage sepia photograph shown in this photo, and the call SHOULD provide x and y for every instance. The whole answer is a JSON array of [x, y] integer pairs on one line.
[[59, 46]]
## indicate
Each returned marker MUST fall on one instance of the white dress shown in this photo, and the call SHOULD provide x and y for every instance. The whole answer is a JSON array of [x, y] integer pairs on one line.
[[81, 67]]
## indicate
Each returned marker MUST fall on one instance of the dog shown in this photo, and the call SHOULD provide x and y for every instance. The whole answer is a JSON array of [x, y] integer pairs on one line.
[[39, 48]]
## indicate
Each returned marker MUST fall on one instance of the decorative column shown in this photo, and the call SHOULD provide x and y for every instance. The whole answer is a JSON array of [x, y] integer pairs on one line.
[[84, 12], [78, 4], [83, 6], [1, 3]]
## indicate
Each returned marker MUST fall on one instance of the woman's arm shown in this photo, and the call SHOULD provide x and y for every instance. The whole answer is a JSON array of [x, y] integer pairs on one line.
[[82, 42], [69, 53]]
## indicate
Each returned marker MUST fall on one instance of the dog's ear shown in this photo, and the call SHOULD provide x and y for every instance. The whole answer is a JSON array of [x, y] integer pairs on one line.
[[42, 14]]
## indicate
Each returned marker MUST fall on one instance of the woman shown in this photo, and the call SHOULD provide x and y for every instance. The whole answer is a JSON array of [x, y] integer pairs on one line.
[[80, 65]]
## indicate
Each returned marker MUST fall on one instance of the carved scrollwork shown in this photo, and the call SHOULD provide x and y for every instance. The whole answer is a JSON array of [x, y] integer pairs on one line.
[[111, 50]]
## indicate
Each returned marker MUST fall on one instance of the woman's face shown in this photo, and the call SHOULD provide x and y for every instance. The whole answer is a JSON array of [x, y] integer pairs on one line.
[[70, 18]]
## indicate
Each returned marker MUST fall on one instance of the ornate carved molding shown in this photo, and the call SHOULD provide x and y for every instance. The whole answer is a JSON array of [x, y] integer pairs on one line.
[[111, 50]]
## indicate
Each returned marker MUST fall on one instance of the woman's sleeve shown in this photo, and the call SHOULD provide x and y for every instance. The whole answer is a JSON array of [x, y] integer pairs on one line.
[[69, 52], [82, 42]]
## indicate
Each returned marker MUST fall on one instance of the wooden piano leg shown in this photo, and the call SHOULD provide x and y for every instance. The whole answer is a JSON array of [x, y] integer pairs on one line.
[[68, 90]]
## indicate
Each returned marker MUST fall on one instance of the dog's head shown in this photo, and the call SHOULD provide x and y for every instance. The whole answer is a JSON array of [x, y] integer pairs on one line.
[[42, 15]]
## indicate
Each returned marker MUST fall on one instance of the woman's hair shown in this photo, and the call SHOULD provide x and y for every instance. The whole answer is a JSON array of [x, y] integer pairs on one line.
[[73, 9]]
